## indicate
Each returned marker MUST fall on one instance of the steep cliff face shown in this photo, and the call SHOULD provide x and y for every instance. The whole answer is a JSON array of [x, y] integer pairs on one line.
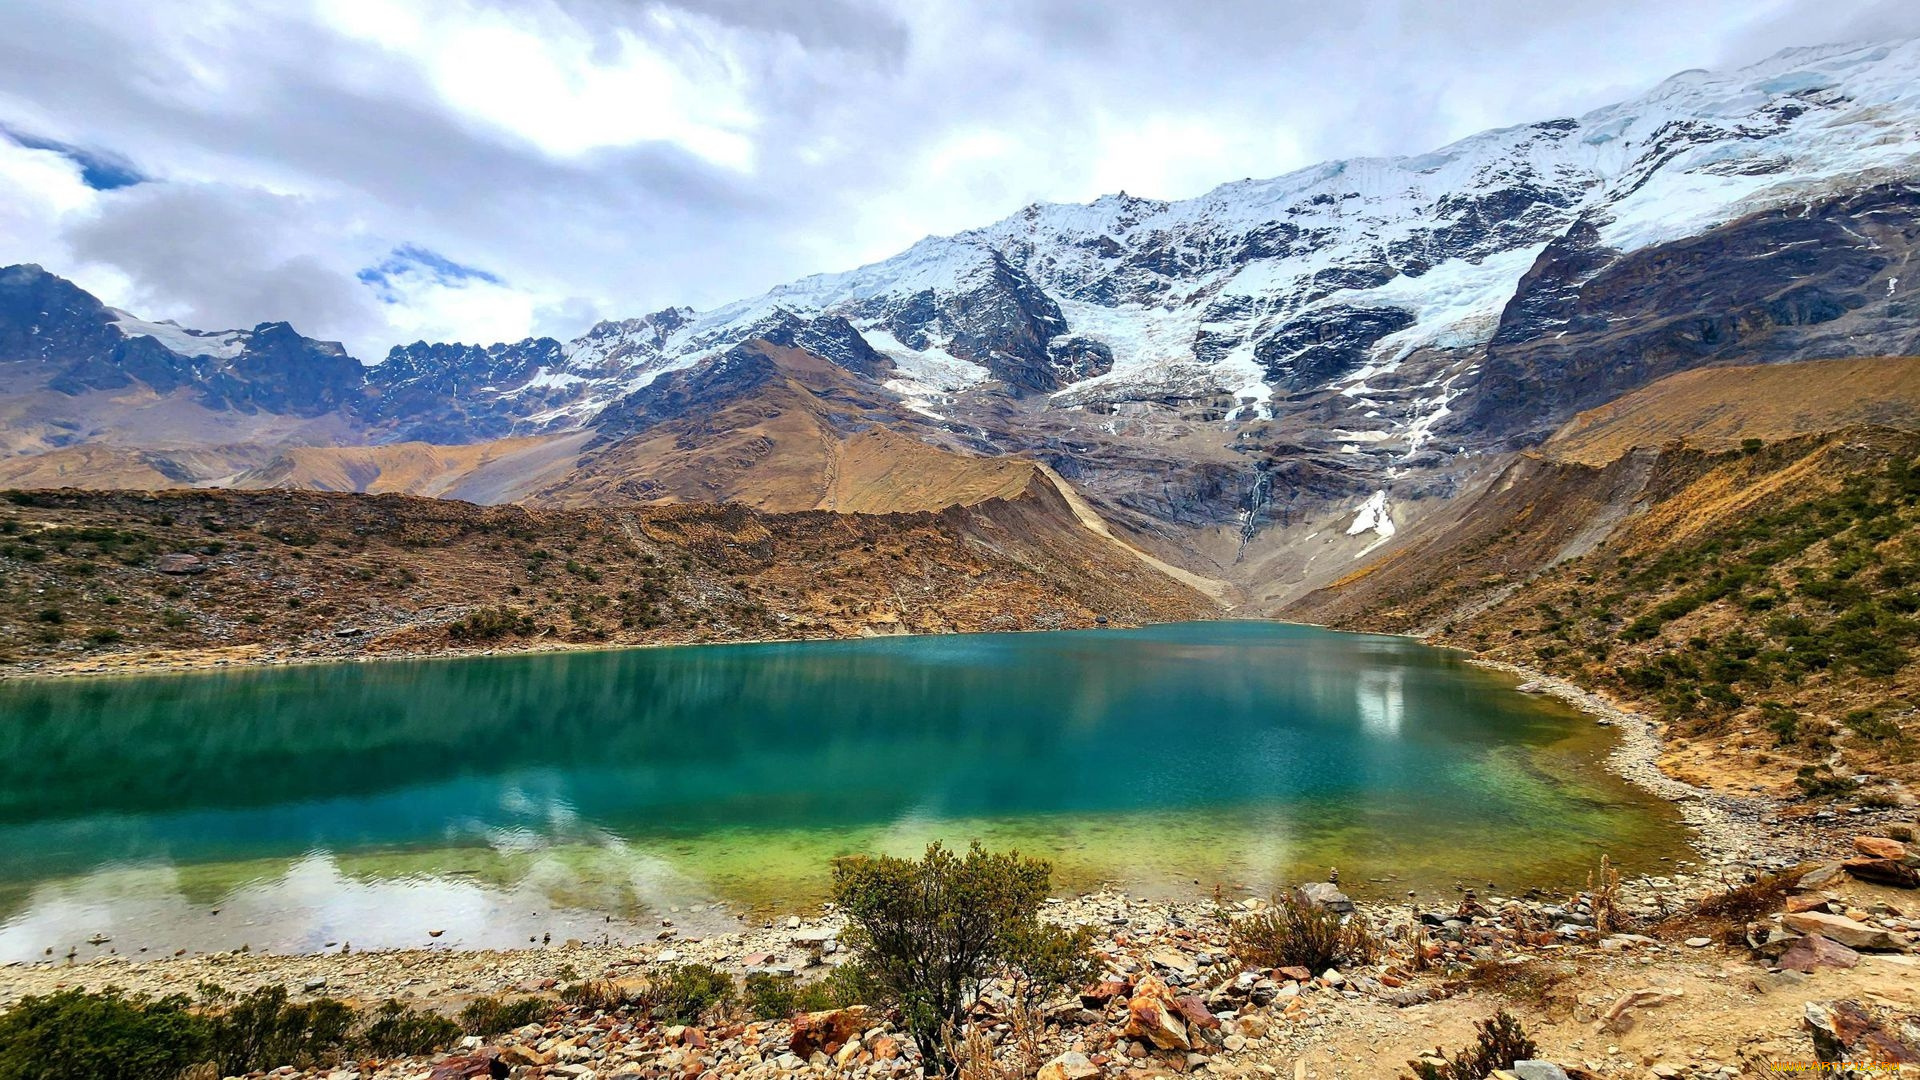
[[1587, 323]]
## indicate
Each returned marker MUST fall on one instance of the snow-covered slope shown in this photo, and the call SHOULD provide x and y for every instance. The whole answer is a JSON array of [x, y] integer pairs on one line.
[[1325, 277]]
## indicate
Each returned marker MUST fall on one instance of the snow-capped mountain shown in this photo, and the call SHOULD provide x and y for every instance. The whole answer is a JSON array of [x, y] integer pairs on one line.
[[55, 335], [1327, 277], [1276, 372]]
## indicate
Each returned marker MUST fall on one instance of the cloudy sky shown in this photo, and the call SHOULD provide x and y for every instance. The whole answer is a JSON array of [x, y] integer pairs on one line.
[[481, 170]]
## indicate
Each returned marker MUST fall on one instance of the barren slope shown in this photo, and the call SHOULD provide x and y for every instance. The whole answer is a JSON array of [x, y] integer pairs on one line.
[[309, 574], [1717, 408]]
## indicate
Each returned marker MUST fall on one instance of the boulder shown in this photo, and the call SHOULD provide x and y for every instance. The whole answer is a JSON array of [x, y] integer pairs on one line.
[[1297, 974], [826, 1032], [180, 563], [1174, 960], [1847, 932], [1846, 1031], [1096, 995], [485, 1063], [1068, 1066], [1884, 872], [1806, 902], [1815, 951], [1538, 1070], [1879, 847], [1322, 894], [1158, 1022]]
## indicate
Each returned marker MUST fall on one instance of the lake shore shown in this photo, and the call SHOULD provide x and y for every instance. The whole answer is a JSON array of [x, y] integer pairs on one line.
[[1727, 829]]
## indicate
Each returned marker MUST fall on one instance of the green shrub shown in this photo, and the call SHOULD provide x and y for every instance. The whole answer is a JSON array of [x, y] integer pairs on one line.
[[398, 1031], [929, 932], [490, 1016], [1818, 782], [599, 995], [71, 1035], [685, 993], [1294, 933], [264, 1030], [490, 623], [776, 997]]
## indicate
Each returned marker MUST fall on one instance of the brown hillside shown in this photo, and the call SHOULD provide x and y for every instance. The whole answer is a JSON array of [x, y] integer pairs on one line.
[[810, 437], [93, 465], [409, 468], [84, 581], [1765, 602], [1717, 408]]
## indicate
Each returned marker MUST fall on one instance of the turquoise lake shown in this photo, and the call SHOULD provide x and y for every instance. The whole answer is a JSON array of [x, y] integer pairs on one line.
[[590, 794]]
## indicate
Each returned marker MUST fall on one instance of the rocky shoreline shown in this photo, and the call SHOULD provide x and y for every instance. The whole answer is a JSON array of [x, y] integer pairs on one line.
[[1170, 997], [1726, 1005]]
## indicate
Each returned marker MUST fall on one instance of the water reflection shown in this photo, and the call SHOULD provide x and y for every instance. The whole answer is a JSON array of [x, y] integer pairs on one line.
[[626, 783]]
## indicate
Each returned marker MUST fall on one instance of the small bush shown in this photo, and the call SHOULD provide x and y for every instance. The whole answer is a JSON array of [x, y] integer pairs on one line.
[[397, 1031], [490, 1016], [263, 1030], [929, 932], [490, 623], [600, 995], [71, 1035], [688, 991], [1294, 933], [776, 997], [1499, 1043], [1760, 897], [1529, 981]]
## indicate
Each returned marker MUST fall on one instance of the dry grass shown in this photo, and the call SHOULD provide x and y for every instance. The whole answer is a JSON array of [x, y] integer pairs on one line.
[[1293, 933]]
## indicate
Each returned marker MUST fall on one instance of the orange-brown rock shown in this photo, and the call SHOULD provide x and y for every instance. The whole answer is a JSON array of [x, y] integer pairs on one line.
[[826, 1032], [1879, 847]]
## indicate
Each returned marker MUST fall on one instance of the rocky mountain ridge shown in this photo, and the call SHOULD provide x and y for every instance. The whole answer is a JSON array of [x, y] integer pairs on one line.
[[1264, 382]]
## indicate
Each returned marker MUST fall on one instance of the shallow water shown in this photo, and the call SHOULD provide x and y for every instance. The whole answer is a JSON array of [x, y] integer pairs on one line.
[[582, 795]]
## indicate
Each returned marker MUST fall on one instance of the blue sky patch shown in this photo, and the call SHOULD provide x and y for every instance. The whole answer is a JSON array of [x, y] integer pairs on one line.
[[411, 259], [99, 171]]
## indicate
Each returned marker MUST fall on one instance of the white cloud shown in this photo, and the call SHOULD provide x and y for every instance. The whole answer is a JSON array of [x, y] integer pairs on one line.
[[539, 75]]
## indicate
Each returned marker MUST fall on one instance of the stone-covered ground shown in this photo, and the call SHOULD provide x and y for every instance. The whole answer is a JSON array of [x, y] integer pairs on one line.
[[1826, 968]]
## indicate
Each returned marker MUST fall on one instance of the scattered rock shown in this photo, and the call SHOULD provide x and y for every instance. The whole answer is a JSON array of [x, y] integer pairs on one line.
[[1879, 847], [1846, 931], [1619, 1016], [484, 1063], [1846, 1031], [1816, 951], [826, 1032], [1068, 1066]]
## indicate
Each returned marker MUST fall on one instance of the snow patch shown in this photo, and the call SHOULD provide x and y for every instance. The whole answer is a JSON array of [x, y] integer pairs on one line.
[[1373, 517], [177, 339]]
